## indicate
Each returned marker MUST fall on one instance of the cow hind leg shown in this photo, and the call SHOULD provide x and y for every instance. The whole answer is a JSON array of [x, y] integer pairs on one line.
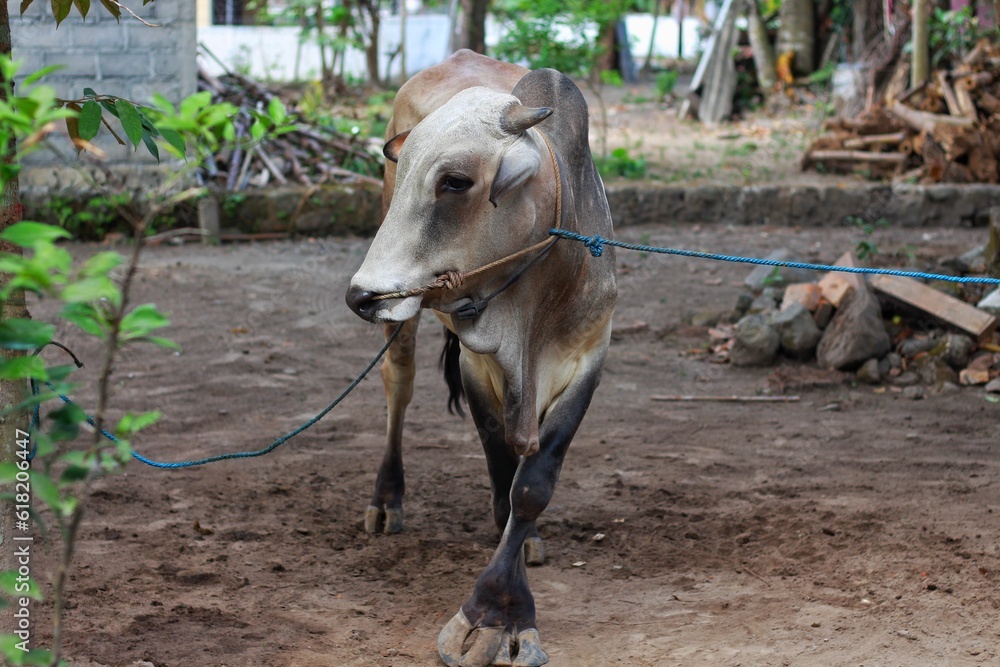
[[385, 512]]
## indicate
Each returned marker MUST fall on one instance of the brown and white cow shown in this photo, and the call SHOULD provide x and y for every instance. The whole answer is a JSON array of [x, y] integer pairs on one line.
[[488, 153]]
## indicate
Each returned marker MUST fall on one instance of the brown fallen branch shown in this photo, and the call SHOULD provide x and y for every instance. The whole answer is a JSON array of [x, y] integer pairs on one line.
[[729, 399], [875, 140], [855, 156], [966, 106], [989, 103], [923, 121], [940, 78]]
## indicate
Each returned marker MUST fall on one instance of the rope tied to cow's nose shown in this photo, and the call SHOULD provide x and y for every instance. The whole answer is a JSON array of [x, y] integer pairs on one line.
[[454, 279]]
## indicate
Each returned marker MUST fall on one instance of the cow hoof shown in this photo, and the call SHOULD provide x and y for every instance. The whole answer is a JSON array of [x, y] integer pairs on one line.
[[388, 520], [534, 551], [524, 651], [529, 650], [452, 640]]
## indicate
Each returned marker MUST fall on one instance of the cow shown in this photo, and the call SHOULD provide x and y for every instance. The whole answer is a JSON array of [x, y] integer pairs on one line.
[[484, 159]]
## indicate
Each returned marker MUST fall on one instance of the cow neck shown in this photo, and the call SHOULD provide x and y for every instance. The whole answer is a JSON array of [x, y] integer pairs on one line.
[[455, 279]]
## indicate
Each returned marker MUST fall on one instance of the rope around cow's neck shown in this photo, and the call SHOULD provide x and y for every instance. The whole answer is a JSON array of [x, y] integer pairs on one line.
[[455, 279]]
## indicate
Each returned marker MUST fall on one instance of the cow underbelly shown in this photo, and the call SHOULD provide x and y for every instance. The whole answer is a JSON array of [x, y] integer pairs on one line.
[[558, 367]]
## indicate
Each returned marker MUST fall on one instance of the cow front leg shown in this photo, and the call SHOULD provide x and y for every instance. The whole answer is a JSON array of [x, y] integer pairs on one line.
[[502, 607], [385, 512]]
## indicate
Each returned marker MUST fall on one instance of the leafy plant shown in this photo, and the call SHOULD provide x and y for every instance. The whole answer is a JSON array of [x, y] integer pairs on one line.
[[620, 163], [866, 247], [665, 82], [951, 33], [57, 460]]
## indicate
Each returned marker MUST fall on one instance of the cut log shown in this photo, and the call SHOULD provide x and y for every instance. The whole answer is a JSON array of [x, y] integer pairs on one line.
[[875, 140], [939, 305], [921, 121], [940, 78], [855, 156], [973, 81], [966, 106], [989, 103]]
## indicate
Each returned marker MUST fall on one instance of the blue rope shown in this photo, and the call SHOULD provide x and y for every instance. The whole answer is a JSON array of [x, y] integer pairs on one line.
[[596, 246], [236, 455]]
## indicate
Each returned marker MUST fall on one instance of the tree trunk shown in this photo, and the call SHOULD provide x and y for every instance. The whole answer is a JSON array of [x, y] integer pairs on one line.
[[868, 24], [798, 34], [402, 43], [920, 65], [474, 24], [763, 52], [11, 391]]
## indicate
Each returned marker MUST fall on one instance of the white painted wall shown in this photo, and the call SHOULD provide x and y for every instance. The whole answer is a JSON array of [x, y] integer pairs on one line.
[[271, 52]]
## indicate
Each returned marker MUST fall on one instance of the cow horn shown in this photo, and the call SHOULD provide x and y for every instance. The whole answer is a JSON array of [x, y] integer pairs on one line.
[[517, 118]]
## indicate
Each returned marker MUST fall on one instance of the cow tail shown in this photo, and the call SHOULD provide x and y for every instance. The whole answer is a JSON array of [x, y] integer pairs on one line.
[[452, 372]]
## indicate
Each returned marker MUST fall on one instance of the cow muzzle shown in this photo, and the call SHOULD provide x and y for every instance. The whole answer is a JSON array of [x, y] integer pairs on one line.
[[364, 304]]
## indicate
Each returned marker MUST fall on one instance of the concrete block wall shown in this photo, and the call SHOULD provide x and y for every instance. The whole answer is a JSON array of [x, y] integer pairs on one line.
[[124, 58]]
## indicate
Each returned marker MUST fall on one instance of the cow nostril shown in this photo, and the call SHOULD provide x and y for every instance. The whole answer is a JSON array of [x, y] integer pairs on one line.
[[361, 301]]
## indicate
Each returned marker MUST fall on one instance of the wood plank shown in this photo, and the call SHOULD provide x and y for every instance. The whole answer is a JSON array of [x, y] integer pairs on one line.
[[942, 306], [835, 286]]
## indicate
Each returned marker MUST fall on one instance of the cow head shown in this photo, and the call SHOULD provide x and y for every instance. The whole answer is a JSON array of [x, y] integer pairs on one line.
[[470, 188]]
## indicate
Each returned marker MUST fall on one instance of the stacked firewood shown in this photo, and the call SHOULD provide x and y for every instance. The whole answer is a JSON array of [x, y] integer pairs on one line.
[[946, 130], [309, 155]]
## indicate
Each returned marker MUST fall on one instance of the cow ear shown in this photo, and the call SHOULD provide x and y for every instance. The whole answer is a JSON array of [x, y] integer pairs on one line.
[[518, 163], [394, 145]]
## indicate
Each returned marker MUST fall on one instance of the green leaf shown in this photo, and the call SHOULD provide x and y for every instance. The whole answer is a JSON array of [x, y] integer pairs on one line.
[[30, 234], [45, 489], [74, 474], [101, 264], [38, 74], [60, 9], [87, 318], [142, 320], [147, 139], [192, 104], [91, 289], [131, 121], [114, 9], [89, 92], [22, 334], [24, 5], [83, 6], [276, 110], [162, 342], [90, 120], [23, 368], [175, 140], [257, 130], [8, 472], [132, 423], [26, 587]]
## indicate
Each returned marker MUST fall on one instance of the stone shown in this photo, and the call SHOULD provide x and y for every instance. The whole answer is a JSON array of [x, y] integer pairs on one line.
[[956, 349], [766, 301], [764, 276], [743, 303], [797, 330], [914, 393], [855, 334], [970, 261], [807, 294], [993, 386], [755, 342], [906, 379], [911, 347], [983, 361], [991, 303], [950, 388], [706, 318], [869, 372], [971, 376], [936, 372]]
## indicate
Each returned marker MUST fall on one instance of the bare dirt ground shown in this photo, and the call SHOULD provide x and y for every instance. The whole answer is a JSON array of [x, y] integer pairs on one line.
[[850, 528]]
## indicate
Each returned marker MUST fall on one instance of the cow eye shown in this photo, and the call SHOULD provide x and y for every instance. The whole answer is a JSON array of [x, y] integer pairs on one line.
[[452, 183]]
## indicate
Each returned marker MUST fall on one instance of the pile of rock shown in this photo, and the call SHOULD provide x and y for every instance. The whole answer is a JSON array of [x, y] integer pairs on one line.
[[850, 323]]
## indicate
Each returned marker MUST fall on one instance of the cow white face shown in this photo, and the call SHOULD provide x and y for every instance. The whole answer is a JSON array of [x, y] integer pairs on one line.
[[465, 195]]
